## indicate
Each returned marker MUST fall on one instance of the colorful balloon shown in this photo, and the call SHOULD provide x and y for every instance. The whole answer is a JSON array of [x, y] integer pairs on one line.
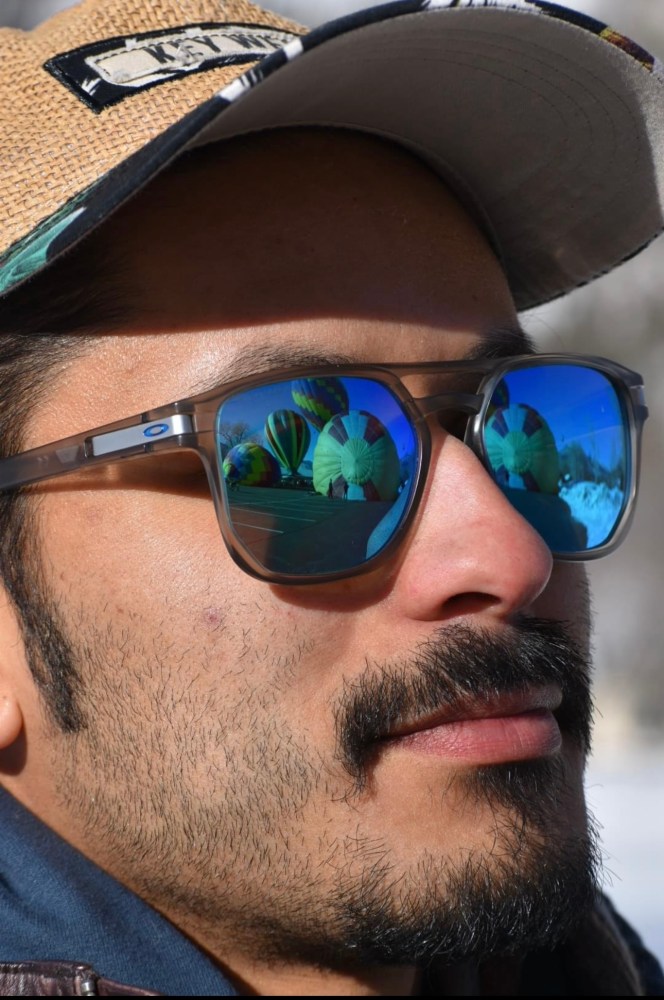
[[288, 435], [250, 464], [522, 450], [356, 449], [320, 399]]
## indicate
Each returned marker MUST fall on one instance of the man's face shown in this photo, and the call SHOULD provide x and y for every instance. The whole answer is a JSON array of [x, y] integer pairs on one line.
[[228, 769]]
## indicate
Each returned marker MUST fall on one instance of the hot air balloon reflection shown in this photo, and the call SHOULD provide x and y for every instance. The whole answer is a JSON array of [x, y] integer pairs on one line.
[[522, 449], [320, 399], [288, 435], [250, 464], [356, 450], [526, 464]]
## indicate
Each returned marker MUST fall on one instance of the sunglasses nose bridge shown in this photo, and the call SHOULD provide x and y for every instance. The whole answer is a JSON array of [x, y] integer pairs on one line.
[[462, 402]]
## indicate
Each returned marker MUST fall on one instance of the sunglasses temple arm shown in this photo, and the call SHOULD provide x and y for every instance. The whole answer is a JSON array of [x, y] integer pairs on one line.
[[94, 448], [42, 463]]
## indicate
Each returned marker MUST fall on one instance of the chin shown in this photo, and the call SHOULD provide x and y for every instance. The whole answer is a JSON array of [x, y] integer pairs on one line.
[[529, 875]]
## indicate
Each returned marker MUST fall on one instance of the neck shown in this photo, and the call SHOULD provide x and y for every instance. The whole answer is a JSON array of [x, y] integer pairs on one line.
[[281, 980], [497, 977]]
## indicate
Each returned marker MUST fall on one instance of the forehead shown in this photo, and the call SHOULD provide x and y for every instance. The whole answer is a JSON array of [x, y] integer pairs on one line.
[[292, 224]]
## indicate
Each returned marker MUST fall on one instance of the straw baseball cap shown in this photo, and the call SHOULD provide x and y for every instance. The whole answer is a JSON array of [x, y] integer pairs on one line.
[[546, 122]]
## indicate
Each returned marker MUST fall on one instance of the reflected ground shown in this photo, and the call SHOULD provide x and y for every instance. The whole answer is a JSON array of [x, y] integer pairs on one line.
[[282, 527]]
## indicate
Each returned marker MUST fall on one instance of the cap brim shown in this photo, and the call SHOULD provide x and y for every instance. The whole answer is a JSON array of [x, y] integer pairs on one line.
[[548, 124]]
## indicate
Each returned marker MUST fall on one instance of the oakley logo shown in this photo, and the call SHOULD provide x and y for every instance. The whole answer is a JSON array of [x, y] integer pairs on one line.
[[156, 430], [135, 437]]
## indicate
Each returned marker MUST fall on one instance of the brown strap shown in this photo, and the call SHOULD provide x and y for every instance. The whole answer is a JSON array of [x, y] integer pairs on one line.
[[60, 979]]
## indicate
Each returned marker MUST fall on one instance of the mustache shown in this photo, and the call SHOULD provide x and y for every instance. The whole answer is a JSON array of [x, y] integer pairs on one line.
[[456, 666]]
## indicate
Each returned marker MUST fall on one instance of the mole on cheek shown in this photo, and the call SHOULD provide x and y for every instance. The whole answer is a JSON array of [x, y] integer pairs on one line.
[[212, 619]]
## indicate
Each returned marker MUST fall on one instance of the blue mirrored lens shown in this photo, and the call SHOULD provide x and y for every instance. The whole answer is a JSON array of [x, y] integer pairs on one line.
[[557, 443], [318, 473]]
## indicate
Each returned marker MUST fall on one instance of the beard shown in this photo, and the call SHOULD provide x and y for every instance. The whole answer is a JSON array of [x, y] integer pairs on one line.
[[539, 878], [236, 857]]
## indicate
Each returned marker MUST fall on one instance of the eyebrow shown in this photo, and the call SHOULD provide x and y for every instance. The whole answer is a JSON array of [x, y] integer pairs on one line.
[[500, 342], [264, 357]]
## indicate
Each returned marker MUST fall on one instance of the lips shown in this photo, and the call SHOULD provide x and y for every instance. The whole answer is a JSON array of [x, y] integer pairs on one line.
[[510, 727], [470, 695]]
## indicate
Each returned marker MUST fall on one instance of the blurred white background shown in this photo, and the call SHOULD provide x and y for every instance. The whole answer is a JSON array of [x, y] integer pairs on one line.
[[620, 316]]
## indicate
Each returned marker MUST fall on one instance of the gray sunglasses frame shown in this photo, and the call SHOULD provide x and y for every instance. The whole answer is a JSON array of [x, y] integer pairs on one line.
[[190, 424]]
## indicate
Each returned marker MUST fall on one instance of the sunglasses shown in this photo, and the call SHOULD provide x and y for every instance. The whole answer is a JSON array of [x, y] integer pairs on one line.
[[317, 474]]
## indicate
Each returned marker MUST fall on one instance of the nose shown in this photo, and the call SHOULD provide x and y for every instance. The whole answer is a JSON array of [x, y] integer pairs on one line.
[[469, 551]]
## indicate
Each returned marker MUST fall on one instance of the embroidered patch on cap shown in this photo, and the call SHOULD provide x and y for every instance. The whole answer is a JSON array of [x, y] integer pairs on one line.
[[106, 72]]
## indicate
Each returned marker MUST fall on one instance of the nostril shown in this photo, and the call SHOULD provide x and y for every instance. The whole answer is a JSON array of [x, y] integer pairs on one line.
[[470, 603]]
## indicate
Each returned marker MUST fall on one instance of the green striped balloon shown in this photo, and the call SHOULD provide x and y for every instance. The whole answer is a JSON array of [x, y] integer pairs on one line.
[[289, 436]]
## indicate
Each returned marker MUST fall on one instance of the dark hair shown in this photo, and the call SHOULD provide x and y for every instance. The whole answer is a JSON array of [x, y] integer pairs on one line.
[[45, 324]]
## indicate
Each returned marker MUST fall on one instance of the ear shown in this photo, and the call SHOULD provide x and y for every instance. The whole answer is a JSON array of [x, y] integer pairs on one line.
[[14, 673], [11, 720]]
